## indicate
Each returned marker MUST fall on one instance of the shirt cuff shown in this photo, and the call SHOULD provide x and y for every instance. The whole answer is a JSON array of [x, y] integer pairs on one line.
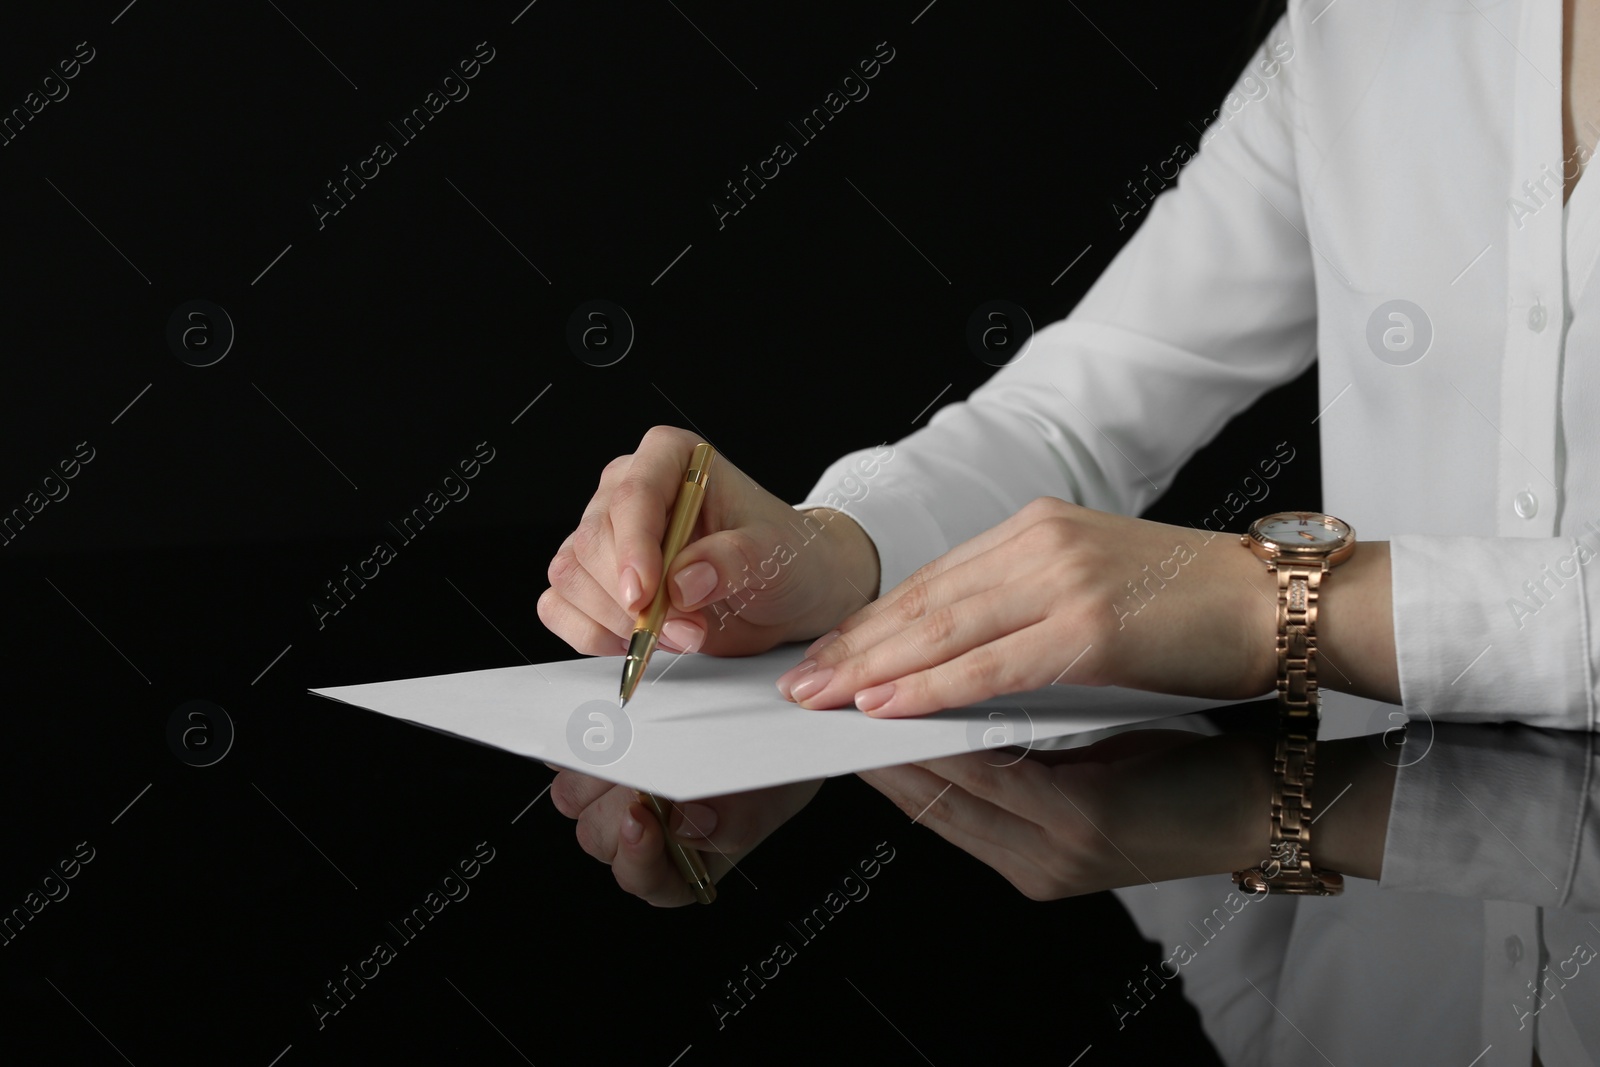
[[1497, 813], [1494, 629], [888, 504]]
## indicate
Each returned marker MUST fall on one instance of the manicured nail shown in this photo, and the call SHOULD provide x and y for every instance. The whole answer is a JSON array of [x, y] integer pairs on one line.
[[876, 697], [695, 582], [822, 642], [696, 821], [632, 829], [811, 684], [631, 589], [683, 633], [787, 679]]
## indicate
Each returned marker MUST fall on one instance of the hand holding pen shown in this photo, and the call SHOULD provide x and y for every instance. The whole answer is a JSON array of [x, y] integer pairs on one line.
[[594, 606]]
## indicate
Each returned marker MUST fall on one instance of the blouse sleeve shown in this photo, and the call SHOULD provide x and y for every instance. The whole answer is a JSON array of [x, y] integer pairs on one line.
[[1491, 629], [1210, 304], [1501, 812]]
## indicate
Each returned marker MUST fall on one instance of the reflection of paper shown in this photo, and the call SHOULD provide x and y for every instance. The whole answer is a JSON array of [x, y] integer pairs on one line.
[[702, 726]]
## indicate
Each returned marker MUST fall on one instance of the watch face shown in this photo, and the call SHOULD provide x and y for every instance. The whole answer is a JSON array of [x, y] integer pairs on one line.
[[1302, 533]]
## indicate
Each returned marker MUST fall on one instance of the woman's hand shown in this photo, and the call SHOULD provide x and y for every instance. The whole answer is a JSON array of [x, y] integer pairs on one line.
[[1057, 592], [807, 571]]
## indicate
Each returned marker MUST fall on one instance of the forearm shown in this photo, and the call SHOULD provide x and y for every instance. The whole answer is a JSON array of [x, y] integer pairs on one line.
[[1355, 626]]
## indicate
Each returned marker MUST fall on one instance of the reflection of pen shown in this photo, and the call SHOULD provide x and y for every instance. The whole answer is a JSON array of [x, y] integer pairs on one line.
[[646, 634]]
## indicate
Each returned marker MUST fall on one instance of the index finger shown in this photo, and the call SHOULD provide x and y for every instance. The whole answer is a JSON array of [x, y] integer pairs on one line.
[[642, 867], [640, 505]]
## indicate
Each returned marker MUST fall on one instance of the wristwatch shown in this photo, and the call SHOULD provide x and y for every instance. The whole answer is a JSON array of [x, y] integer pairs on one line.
[[1300, 547]]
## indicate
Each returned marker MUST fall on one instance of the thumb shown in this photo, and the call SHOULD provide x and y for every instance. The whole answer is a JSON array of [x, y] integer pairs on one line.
[[715, 566]]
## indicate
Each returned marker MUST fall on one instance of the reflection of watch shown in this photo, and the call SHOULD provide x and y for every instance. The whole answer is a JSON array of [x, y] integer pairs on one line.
[[1300, 547]]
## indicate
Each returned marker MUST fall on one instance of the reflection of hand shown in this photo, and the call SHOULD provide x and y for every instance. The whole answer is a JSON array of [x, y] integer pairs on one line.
[[616, 829], [1147, 805], [1053, 588], [1141, 806]]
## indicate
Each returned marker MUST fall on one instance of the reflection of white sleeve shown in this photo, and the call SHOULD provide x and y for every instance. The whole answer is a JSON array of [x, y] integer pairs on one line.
[[1207, 307], [1498, 813], [1493, 629]]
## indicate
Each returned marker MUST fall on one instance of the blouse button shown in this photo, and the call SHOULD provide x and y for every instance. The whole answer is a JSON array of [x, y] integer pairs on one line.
[[1536, 318], [1525, 503]]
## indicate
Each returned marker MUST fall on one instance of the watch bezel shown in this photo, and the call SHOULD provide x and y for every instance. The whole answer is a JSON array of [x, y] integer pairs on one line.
[[1332, 553]]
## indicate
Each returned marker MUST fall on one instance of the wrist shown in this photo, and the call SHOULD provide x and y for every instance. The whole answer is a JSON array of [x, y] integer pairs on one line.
[[854, 556], [1350, 798], [848, 570], [1211, 800], [1257, 597], [1245, 836], [1355, 637], [1350, 836]]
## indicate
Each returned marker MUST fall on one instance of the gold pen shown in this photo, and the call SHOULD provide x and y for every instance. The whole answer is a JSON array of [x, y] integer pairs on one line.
[[647, 633]]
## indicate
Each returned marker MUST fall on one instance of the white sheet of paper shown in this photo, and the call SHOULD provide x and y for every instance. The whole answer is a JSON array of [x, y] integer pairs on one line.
[[701, 726]]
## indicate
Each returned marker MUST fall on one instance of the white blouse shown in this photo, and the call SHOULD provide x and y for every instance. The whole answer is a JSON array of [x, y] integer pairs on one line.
[[1381, 193]]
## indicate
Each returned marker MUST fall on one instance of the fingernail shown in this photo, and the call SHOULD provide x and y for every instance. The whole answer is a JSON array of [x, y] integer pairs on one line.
[[631, 589], [683, 633], [811, 684], [695, 582], [632, 829], [696, 821], [787, 679], [876, 697], [822, 642]]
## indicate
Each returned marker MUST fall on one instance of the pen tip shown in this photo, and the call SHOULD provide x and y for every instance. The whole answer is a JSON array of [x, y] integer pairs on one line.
[[622, 702]]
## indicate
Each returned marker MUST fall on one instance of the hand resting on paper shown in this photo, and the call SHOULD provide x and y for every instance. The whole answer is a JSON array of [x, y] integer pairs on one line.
[[1063, 593]]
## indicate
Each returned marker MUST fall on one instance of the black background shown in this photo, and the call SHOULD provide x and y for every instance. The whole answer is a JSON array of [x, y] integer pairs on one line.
[[374, 353]]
